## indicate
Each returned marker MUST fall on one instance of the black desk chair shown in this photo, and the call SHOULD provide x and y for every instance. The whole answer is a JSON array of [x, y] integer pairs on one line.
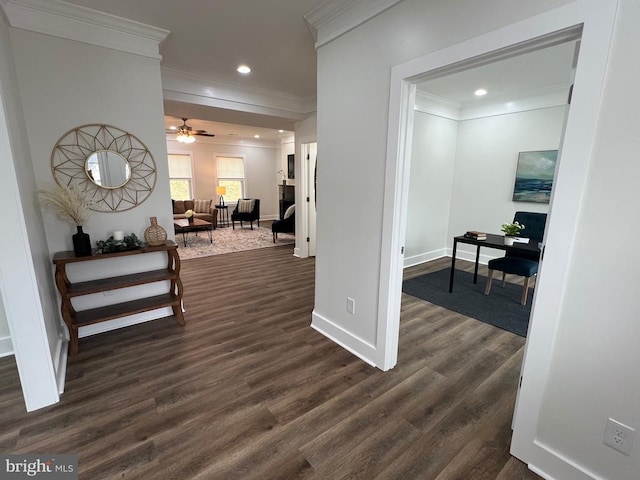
[[522, 263]]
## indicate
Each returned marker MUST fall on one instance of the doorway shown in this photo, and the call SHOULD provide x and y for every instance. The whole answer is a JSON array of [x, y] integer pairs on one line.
[[553, 27]]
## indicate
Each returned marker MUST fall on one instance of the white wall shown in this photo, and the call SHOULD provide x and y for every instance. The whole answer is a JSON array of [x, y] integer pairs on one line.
[[477, 195], [594, 364], [352, 133], [25, 279], [486, 161], [65, 84], [594, 374], [6, 347], [432, 166], [262, 162]]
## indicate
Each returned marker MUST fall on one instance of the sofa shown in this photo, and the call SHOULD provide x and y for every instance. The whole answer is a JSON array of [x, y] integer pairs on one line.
[[204, 210]]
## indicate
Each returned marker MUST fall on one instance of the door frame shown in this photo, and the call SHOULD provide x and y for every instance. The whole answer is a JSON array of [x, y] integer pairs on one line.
[[593, 22]]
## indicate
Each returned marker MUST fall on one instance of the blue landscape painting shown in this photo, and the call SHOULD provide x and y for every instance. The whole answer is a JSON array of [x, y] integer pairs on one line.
[[534, 176]]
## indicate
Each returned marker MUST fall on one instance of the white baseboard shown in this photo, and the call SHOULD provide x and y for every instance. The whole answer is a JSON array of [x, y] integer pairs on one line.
[[553, 465], [424, 257], [124, 322], [471, 255], [6, 347], [361, 349], [448, 252]]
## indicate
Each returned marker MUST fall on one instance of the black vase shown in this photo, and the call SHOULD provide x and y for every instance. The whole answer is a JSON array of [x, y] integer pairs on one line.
[[81, 243]]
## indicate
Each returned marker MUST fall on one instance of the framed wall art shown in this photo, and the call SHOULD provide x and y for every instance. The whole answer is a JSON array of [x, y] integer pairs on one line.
[[291, 166], [534, 176]]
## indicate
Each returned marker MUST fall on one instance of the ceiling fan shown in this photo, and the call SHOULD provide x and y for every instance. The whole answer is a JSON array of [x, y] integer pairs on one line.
[[186, 134]]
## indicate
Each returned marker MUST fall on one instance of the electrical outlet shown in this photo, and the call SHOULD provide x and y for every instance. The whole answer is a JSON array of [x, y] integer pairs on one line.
[[619, 436], [351, 306]]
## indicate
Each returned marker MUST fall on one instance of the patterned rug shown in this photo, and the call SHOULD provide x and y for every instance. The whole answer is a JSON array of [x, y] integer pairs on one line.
[[227, 240]]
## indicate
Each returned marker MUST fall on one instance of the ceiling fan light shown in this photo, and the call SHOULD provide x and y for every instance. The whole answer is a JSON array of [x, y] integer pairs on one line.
[[185, 138]]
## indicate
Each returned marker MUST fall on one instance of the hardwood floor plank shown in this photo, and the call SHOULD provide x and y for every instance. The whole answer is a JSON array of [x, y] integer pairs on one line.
[[247, 390]]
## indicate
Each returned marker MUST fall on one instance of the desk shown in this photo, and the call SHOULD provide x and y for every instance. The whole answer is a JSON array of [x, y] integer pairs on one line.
[[492, 241]]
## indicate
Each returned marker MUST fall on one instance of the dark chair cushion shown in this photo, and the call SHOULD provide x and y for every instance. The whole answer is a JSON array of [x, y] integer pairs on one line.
[[514, 266]]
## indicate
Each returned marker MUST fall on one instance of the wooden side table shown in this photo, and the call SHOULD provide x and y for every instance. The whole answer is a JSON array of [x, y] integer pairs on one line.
[[76, 319]]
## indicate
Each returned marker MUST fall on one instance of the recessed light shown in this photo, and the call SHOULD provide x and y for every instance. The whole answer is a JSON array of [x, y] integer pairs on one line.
[[244, 69], [480, 92], [280, 131], [256, 136], [173, 127]]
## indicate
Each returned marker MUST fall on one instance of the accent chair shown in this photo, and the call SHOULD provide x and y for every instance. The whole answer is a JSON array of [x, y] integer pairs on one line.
[[247, 210], [286, 225]]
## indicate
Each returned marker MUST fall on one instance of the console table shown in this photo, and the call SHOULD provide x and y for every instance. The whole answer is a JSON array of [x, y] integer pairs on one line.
[[76, 319]]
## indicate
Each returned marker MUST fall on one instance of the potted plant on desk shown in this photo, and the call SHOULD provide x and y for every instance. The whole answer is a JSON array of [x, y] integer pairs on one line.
[[511, 230]]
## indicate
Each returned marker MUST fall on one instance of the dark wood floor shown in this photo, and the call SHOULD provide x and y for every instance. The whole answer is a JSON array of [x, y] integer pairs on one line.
[[248, 391]]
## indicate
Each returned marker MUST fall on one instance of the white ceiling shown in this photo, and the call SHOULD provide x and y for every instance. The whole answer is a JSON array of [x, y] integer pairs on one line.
[[228, 131], [532, 74], [209, 39]]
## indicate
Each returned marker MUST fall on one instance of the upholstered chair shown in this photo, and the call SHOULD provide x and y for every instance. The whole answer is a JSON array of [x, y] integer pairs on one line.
[[247, 210], [286, 225], [516, 262]]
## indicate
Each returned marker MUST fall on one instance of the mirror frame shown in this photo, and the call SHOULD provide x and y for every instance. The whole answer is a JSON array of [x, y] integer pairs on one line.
[[69, 158]]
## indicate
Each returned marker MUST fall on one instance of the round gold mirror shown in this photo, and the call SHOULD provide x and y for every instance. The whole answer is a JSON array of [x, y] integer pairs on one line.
[[113, 167], [108, 169]]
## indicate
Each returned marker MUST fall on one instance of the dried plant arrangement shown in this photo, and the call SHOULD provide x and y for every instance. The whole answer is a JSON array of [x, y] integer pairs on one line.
[[70, 204]]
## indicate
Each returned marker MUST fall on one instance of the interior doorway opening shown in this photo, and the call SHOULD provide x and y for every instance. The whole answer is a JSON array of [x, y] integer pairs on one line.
[[400, 146]]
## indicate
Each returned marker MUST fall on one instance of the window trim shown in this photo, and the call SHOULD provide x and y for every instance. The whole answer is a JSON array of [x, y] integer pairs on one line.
[[191, 167], [243, 180]]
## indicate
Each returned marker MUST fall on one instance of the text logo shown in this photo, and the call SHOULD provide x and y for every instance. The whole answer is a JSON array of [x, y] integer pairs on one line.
[[50, 467]]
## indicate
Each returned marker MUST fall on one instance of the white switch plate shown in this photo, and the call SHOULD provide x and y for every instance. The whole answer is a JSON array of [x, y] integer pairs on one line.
[[351, 306]]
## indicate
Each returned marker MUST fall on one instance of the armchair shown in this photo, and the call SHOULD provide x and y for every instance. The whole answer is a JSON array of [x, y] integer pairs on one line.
[[247, 210], [286, 225]]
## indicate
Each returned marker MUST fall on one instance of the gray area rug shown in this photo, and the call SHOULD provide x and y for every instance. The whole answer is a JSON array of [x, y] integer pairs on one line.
[[227, 240], [501, 308]]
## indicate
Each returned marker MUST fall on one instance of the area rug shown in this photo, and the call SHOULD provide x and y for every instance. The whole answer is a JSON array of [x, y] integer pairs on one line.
[[501, 308], [227, 240]]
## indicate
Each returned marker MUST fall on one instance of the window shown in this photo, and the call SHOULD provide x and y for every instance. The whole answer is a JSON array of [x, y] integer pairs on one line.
[[180, 176], [231, 176]]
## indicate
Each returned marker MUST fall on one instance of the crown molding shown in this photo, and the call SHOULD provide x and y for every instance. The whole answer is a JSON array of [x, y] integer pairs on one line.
[[81, 24], [173, 145], [333, 18], [195, 89], [552, 96]]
